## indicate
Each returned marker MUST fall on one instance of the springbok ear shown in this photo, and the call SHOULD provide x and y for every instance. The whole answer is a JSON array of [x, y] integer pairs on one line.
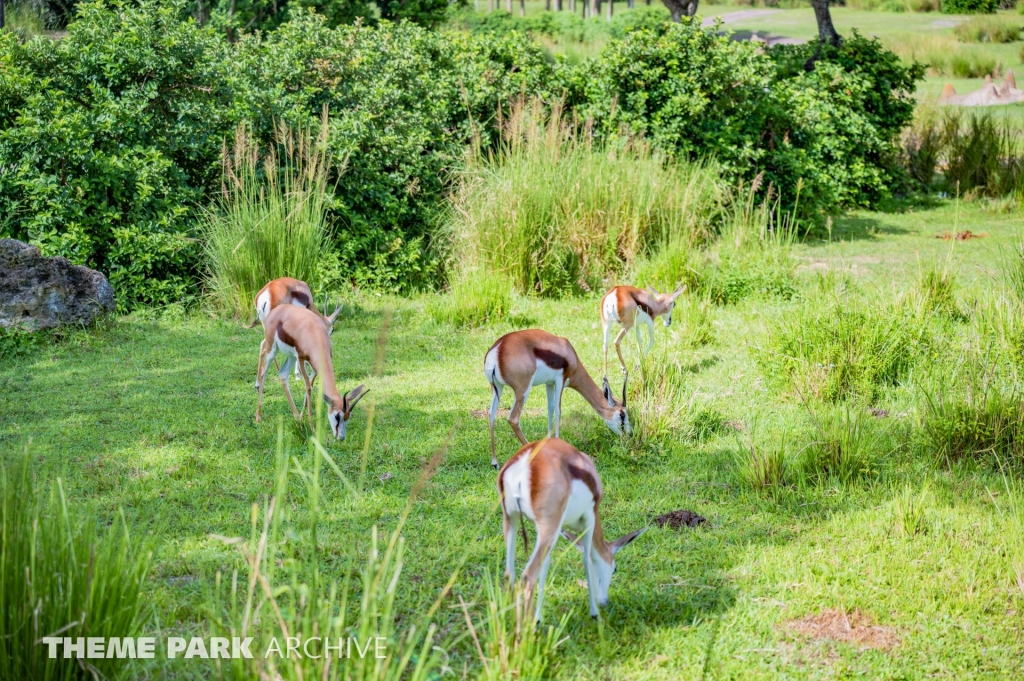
[[354, 396], [334, 315], [573, 539], [654, 291], [608, 393], [679, 291], [619, 543], [327, 400]]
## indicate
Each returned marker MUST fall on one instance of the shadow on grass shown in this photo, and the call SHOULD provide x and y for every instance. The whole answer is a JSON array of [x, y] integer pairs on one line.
[[853, 228]]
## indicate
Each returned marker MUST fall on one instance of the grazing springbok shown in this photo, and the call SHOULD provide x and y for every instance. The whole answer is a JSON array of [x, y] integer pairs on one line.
[[523, 359], [288, 291], [301, 336], [555, 485], [628, 305]]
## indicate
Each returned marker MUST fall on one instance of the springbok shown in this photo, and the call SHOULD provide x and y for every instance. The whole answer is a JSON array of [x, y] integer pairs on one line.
[[628, 305], [555, 485], [288, 291], [302, 337], [523, 359]]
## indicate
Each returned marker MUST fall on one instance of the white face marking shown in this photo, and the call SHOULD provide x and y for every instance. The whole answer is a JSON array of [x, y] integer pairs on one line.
[[667, 317], [338, 423], [263, 305], [602, 574]]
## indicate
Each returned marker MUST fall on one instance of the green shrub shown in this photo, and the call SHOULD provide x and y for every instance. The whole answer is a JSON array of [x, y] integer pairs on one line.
[[969, 6], [831, 349], [476, 298], [110, 138], [765, 463], [938, 290], [60, 576], [270, 221], [922, 147], [558, 214], [988, 30], [510, 645]]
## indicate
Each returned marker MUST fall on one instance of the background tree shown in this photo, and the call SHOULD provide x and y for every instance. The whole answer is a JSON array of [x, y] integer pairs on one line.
[[680, 8], [826, 31]]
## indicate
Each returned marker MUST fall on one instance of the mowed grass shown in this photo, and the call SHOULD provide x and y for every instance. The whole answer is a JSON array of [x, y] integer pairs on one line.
[[153, 414]]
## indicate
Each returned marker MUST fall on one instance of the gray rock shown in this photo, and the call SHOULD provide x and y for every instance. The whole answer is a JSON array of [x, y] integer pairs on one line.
[[41, 293]]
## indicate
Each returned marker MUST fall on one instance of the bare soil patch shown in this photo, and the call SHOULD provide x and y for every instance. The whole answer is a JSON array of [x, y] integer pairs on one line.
[[853, 627], [965, 235], [679, 518]]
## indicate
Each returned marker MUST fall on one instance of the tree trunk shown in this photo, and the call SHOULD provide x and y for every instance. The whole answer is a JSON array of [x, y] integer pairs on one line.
[[826, 31], [611, 8], [1, 13], [680, 8], [522, 8]]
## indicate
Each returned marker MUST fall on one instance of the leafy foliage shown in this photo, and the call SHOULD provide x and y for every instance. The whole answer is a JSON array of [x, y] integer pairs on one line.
[[110, 139], [969, 6]]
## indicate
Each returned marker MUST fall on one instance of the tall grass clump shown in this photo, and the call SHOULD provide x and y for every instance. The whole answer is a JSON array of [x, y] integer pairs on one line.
[[834, 348], [755, 248], [285, 593], [558, 213], [983, 155], [922, 146], [60, 576], [974, 413], [476, 298], [765, 464], [988, 29], [846, 443], [511, 647], [270, 220], [937, 288]]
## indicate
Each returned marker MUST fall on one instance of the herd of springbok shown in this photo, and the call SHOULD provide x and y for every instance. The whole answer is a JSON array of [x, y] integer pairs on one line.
[[549, 481]]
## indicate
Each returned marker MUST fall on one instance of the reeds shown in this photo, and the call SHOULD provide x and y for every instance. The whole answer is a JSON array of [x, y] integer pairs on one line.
[[558, 213], [60, 577], [270, 220]]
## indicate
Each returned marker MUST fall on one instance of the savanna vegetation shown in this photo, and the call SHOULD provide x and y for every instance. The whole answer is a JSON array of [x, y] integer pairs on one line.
[[839, 392]]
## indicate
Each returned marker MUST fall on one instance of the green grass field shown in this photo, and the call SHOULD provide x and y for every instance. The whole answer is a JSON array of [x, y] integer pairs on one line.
[[153, 414]]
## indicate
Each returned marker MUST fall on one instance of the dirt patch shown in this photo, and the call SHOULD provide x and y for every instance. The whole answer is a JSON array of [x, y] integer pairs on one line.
[[879, 413], [680, 518], [965, 235], [854, 627]]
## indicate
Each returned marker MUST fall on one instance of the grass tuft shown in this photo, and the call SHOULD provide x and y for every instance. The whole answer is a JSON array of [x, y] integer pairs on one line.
[[271, 218], [559, 215], [764, 465], [988, 29], [477, 298], [510, 646], [845, 445], [909, 509], [59, 576]]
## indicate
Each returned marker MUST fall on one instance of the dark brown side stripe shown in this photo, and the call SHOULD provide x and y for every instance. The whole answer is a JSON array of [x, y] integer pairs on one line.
[[552, 359], [584, 476]]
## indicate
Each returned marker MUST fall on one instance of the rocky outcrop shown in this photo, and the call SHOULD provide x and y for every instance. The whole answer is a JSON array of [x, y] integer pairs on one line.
[[41, 293]]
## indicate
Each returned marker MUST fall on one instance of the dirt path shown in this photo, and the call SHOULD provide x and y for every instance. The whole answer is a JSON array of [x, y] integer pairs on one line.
[[733, 17]]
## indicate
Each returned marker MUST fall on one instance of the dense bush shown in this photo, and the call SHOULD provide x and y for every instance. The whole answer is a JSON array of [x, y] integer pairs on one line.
[[969, 6], [694, 93], [110, 139]]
